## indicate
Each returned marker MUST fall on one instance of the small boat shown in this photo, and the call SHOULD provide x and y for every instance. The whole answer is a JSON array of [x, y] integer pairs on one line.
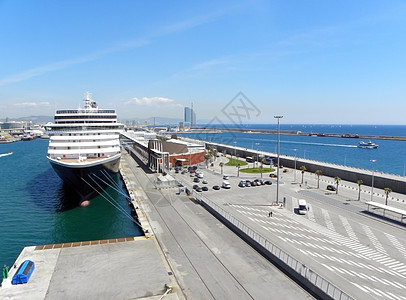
[[6, 154], [367, 145]]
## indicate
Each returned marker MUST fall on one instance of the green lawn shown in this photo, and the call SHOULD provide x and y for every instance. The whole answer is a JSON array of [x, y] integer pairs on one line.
[[256, 170], [233, 162]]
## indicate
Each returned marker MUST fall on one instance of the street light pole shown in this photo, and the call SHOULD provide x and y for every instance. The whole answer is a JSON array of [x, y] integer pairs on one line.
[[235, 149], [256, 144], [295, 164], [277, 171], [372, 185]]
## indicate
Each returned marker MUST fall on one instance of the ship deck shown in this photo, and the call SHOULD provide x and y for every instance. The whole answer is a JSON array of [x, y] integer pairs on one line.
[[75, 160]]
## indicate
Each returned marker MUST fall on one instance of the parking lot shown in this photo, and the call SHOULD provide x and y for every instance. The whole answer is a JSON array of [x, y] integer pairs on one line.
[[213, 177]]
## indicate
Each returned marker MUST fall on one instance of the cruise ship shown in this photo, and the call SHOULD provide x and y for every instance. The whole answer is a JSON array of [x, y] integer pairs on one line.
[[84, 144]]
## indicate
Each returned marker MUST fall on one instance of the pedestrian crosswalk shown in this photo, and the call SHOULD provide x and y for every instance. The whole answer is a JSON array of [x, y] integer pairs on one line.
[[351, 253]]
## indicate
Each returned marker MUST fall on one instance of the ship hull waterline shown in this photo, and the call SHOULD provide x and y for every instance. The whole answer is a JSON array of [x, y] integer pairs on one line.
[[86, 180]]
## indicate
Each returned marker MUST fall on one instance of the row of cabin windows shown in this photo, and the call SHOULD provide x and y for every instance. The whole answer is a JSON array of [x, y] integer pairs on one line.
[[70, 147], [117, 127], [84, 122], [81, 134], [97, 116], [100, 111]]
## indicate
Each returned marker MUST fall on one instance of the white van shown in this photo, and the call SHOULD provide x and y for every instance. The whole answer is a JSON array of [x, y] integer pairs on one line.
[[302, 207], [226, 185]]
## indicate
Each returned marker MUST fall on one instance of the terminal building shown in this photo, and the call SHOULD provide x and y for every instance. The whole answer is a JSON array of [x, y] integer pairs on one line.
[[161, 154]]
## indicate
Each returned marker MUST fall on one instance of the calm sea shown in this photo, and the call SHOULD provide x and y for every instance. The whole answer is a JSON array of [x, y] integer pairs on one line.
[[35, 208], [390, 157]]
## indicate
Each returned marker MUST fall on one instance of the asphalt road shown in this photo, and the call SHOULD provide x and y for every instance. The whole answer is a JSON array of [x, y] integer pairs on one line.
[[359, 252]]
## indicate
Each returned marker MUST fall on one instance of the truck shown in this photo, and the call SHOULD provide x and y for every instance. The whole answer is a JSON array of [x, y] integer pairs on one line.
[[302, 207]]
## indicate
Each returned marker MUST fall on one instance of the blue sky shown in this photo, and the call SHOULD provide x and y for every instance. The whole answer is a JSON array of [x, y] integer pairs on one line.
[[328, 62]]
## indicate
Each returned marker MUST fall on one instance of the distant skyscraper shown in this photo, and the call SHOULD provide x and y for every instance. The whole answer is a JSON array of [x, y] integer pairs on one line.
[[190, 116]]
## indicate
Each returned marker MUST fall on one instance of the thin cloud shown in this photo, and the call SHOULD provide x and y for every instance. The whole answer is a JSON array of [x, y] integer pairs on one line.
[[31, 104], [169, 29], [200, 20], [121, 46], [152, 101], [71, 62]]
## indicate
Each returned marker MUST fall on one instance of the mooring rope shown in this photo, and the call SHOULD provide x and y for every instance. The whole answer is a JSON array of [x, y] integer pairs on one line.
[[116, 205]]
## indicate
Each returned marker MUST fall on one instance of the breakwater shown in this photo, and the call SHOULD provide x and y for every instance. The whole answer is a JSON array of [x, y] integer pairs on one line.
[[301, 133]]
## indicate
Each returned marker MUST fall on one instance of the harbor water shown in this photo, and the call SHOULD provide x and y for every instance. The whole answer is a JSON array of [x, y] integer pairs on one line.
[[390, 157], [37, 209]]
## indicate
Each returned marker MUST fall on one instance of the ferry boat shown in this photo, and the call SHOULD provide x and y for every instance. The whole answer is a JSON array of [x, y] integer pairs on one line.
[[367, 145], [84, 143]]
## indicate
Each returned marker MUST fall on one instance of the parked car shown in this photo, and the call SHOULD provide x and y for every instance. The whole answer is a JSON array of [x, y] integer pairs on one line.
[[242, 183], [198, 189], [248, 183], [205, 188], [259, 181], [205, 181], [226, 177], [268, 182], [199, 175], [273, 175], [195, 186], [331, 187], [196, 179], [226, 185], [285, 171], [216, 187]]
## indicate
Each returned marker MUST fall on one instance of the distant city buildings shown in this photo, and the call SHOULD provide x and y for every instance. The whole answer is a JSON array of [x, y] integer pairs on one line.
[[190, 117]]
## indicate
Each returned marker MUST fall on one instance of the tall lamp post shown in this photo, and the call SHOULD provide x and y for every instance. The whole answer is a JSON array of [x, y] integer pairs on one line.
[[277, 171], [295, 164], [257, 144], [372, 185]]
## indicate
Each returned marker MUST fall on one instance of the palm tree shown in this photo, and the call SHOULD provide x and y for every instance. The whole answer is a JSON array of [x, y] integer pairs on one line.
[[387, 192], [207, 156], [318, 173], [238, 168], [254, 159], [262, 164], [359, 182], [303, 169], [221, 166], [337, 180], [214, 153]]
